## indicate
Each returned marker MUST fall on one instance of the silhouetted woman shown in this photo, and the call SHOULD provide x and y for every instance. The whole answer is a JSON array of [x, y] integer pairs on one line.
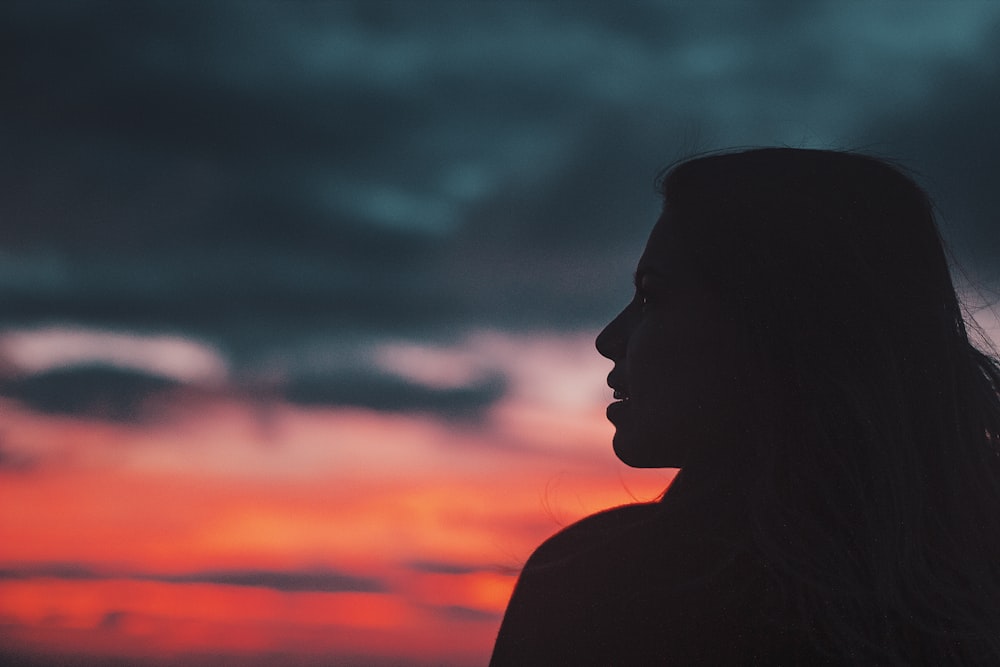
[[796, 347]]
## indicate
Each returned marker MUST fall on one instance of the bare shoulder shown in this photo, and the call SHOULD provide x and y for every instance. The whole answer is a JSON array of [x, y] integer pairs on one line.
[[561, 606], [644, 584], [593, 533]]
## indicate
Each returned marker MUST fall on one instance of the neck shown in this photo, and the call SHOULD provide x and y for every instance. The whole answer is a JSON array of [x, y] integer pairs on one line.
[[710, 496]]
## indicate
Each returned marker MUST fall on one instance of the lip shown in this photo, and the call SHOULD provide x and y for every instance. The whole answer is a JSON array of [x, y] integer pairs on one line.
[[617, 386], [616, 411]]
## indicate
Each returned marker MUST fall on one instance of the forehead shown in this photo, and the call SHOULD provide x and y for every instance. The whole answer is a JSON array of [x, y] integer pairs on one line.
[[663, 252]]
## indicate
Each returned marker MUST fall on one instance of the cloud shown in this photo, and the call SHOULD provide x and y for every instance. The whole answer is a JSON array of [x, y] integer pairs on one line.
[[36, 350], [69, 571], [16, 462], [385, 392], [321, 581], [441, 567], [92, 390], [462, 613], [259, 176], [434, 567], [289, 581], [113, 620]]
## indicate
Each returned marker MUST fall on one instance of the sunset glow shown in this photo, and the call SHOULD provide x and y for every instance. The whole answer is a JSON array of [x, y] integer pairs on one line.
[[252, 529]]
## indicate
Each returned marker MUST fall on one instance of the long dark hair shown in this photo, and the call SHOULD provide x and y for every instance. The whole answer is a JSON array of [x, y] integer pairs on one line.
[[872, 461]]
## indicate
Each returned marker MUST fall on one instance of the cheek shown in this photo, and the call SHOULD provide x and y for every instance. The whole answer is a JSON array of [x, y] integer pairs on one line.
[[682, 374], [668, 357]]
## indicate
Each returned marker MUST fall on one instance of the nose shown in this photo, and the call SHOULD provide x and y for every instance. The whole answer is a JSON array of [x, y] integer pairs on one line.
[[611, 342]]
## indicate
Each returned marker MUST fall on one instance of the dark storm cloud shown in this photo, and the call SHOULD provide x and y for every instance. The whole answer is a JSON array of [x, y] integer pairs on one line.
[[264, 174], [99, 391], [124, 395], [157, 182], [389, 393]]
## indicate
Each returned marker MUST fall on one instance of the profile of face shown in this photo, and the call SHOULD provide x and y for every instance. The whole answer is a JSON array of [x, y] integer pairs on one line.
[[675, 361]]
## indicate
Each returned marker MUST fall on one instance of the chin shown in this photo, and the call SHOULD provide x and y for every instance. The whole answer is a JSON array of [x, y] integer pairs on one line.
[[637, 454]]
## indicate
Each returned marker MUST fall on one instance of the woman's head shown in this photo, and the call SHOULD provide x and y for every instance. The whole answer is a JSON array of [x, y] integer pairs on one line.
[[795, 326], [777, 280]]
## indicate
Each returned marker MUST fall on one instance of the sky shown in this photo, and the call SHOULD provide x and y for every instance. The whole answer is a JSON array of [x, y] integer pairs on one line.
[[298, 299]]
